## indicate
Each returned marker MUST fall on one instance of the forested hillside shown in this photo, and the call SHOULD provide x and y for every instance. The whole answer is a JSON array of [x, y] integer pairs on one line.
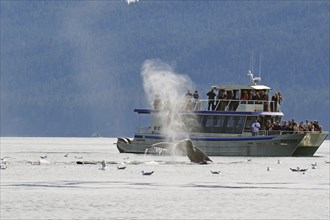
[[72, 68]]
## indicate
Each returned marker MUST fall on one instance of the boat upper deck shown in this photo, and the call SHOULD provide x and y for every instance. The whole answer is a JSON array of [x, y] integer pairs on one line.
[[221, 106], [225, 98]]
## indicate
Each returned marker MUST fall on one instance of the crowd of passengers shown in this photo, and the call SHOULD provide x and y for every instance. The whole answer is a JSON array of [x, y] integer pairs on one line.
[[219, 102], [292, 126]]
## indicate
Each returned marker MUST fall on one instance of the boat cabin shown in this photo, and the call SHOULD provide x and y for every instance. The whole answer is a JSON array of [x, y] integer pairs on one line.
[[232, 111], [212, 122]]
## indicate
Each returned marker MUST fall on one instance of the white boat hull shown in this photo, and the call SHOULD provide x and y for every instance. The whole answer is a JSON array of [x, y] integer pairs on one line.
[[263, 146]]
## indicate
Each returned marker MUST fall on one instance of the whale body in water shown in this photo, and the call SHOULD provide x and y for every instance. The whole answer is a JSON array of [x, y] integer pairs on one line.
[[183, 147]]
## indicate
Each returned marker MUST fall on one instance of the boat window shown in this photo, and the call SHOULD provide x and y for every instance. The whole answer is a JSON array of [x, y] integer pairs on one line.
[[191, 124], [221, 124], [249, 122], [143, 123], [277, 118]]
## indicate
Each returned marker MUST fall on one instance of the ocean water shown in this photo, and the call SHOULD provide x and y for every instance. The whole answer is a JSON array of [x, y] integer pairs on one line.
[[59, 188]]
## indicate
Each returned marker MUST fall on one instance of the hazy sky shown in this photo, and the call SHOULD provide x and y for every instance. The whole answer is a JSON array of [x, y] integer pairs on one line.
[[72, 68]]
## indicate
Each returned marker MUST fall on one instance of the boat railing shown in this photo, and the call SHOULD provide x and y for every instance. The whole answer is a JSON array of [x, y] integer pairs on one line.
[[156, 130], [148, 130], [142, 130], [225, 105], [283, 132]]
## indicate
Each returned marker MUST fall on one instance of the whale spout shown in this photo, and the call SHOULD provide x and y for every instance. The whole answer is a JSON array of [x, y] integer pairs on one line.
[[161, 148]]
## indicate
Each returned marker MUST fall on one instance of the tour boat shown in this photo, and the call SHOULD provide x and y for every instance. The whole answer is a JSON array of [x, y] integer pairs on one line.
[[225, 128]]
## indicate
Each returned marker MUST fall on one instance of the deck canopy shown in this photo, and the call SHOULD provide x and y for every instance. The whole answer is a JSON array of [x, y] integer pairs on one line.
[[240, 87], [261, 87]]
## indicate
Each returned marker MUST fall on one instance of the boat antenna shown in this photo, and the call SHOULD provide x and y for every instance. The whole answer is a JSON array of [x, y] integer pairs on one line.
[[254, 80], [251, 62], [260, 65]]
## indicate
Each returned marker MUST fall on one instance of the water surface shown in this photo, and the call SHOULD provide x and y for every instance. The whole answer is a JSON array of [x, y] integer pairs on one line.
[[59, 188]]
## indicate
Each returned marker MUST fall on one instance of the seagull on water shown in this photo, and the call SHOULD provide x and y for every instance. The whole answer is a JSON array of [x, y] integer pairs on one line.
[[121, 167], [298, 170], [43, 157], [314, 165], [215, 172], [103, 165], [3, 166], [146, 173], [4, 161]]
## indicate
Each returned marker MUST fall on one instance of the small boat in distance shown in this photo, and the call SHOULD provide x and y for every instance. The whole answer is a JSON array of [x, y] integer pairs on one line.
[[224, 127]]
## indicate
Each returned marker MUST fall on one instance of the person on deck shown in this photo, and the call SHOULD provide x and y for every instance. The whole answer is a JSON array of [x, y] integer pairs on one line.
[[195, 95], [211, 94], [189, 97], [196, 101], [255, 128]]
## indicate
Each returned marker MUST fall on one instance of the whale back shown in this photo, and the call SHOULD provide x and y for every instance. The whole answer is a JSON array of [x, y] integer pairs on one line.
[[195, 154]]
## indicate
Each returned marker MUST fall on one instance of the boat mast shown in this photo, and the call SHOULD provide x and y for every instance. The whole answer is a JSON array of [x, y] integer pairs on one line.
[[251, 61], [260, 65]]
